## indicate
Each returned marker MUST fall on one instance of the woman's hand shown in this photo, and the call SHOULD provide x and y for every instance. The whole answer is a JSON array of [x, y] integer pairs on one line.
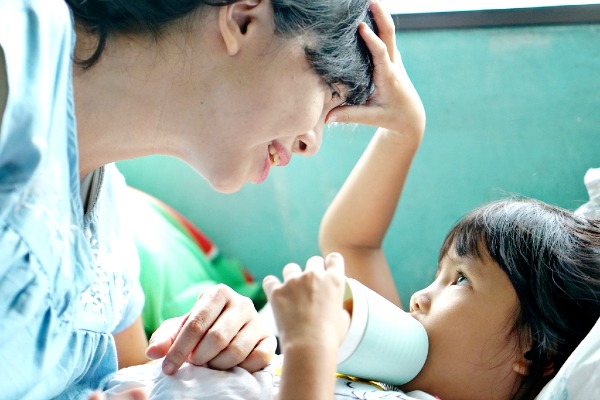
[[395, 104], [133, 394], [308, 306], [222, 330]]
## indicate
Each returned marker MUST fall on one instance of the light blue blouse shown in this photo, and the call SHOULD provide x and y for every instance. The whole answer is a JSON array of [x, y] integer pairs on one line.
[[67, 281]]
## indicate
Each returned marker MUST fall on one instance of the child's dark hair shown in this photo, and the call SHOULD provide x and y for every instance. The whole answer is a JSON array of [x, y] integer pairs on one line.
[[336, 51], [552, 258]]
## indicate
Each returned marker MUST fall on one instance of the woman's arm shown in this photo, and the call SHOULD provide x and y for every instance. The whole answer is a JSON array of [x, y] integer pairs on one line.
[[358, 218], [3, 85], [131, 345]]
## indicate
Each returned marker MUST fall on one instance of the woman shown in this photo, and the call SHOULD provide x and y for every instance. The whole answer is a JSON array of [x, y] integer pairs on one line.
[[230, 87]]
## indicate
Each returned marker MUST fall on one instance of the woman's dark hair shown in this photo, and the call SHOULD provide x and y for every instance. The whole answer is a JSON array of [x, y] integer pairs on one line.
[[552, 258], [336, 53]]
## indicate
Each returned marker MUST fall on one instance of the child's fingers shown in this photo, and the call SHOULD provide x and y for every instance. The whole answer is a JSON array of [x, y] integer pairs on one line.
[[269, 283], [360, 114], [335, 262], [315, 263], [377, 47], [290, 271], [385, 26]]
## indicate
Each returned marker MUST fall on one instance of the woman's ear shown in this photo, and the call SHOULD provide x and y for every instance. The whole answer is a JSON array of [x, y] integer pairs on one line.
[[238, 22]]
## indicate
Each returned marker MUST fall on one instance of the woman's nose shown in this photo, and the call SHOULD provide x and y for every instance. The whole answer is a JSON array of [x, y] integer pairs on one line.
[[308, 144]]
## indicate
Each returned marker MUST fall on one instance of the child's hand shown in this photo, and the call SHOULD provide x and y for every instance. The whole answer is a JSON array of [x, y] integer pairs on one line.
[[308, 305], [394, 104]]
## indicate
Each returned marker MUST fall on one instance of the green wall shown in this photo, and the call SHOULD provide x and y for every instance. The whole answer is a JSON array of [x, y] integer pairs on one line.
[[510, 110]]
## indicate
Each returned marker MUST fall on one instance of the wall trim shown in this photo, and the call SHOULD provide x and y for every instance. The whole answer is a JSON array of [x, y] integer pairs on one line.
[[574, 14]]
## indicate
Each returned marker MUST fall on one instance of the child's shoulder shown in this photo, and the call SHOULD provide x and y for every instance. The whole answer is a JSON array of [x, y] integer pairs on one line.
[[351, 388]]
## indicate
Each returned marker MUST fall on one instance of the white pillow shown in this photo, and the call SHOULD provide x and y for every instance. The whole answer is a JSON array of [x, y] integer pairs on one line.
[[591, 209], [579, 377]]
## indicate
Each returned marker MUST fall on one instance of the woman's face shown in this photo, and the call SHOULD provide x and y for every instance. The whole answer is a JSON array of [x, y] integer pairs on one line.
[[266, 107], [468, 313]]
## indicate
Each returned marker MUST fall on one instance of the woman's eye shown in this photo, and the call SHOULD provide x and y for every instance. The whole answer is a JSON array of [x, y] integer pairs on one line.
[[335, 94], [334, 90]]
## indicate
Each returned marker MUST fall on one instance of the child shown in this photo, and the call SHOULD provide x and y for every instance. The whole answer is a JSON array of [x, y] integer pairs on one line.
[[516, 290]]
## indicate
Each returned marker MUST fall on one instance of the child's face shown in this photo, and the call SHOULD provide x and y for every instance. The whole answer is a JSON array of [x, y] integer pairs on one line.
[[468, 312]]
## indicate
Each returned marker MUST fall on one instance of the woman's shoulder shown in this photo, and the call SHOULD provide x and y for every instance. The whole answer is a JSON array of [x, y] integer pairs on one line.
[[36, 38], [34, 11]]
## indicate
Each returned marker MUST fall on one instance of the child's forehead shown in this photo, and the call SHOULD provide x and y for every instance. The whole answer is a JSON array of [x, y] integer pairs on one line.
[[472, 263]]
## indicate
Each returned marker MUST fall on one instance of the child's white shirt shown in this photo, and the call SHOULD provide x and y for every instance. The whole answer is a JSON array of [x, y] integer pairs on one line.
[[201, 383]]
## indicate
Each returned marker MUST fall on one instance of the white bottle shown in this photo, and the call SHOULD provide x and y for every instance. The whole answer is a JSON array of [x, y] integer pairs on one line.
[[384, 343]]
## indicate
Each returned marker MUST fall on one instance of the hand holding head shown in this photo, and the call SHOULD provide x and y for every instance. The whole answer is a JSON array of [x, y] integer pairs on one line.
[[394, 104]]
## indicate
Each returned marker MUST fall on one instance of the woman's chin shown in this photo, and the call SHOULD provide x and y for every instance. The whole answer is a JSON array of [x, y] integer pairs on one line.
[[226, 186]]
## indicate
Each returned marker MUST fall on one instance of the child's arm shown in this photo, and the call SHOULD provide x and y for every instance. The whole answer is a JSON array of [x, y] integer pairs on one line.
[[308, 306], [358, 218]]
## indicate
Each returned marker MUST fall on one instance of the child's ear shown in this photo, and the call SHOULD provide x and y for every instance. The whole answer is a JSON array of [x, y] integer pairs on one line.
[[521, 365], [238, 21]]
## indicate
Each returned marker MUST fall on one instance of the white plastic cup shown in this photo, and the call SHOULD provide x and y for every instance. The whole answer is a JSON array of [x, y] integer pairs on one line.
[[384, 343]]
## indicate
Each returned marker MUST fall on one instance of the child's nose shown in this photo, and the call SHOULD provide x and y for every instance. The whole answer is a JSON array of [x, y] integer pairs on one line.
[[419, 302]]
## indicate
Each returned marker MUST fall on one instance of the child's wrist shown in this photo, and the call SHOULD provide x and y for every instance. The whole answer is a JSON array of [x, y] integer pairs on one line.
[[404, 137], [313, 345]]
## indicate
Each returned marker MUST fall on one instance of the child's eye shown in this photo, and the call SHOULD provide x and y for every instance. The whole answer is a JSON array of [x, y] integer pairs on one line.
[[462, 279]]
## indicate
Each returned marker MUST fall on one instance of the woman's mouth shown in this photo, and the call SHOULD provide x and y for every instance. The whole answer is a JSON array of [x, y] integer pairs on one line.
[[273, 155], [277, 156]]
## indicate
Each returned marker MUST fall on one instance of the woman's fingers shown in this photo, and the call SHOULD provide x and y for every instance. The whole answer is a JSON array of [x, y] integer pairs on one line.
[[261, 355], [133, 394], [162, 339], [248, 342], [231, 337], [222, 330], [206, 310]]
